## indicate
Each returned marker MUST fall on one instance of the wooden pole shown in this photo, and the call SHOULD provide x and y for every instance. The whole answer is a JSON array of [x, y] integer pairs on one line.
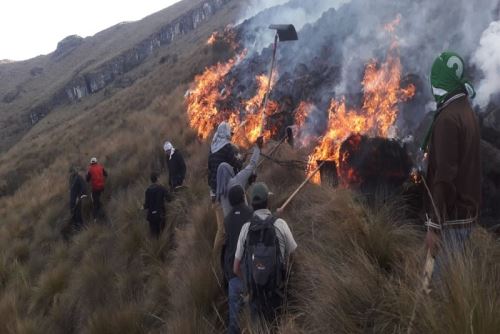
[[292, 196], [266, 98]]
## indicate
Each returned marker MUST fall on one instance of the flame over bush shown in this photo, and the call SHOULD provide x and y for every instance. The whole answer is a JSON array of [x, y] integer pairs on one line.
[[210, 90], [382, 93]]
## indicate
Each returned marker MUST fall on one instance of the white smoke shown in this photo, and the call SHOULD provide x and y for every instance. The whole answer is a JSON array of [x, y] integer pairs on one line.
[[266, 12], [487, 58]]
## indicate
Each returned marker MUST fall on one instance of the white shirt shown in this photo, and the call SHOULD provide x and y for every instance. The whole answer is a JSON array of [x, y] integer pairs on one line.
[[283, 233]]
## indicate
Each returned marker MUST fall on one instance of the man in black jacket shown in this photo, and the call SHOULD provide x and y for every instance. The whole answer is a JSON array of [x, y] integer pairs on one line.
[[77, 191], [239, 215], [154, 202], [176, 166]]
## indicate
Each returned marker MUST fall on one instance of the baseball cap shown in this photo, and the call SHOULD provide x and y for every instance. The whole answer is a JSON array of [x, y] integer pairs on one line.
[[260, 193]]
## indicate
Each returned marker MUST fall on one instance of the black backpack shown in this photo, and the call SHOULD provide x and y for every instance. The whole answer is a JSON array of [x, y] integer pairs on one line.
[[263, 266]]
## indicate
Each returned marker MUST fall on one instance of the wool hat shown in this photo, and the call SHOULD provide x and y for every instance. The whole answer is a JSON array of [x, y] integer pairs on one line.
[[93, 160]]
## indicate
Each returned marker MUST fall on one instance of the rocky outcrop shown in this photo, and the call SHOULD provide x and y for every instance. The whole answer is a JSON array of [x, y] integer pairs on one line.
[[66, 46], [88, 83]]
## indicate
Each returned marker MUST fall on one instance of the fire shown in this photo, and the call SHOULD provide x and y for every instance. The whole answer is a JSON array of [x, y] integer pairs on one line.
[[246, 120], [202, 100], [213, 38], [376, 117]]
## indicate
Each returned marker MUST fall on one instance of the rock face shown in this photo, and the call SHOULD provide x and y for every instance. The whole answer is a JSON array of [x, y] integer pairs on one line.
[[67, 45], [88, 83]]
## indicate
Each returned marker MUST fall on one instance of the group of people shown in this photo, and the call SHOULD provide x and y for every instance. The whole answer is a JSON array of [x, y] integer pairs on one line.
[[96, 176], [155, 196], [255, 246]]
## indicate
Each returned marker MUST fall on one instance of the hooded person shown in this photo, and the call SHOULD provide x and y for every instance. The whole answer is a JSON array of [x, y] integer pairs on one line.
[[226, 179], [454, 158], [221, 150], [176, 166]]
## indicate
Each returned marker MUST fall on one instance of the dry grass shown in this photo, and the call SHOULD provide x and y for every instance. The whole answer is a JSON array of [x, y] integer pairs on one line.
[[356, 269]]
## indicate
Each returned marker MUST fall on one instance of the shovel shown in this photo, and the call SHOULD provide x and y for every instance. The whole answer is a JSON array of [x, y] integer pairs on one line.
[[284, 33]]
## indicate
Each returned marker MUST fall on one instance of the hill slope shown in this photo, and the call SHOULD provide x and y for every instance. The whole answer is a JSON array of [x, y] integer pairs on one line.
[[356, 269]]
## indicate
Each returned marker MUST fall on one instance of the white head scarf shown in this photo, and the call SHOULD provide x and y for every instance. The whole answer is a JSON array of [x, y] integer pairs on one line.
[[222, 137], [168, 146]]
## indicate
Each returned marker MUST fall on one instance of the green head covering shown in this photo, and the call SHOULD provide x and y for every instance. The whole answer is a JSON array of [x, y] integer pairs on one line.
[[448, 76]]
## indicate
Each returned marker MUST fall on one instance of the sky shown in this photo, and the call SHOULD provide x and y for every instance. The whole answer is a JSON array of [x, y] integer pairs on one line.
[[29, 28]]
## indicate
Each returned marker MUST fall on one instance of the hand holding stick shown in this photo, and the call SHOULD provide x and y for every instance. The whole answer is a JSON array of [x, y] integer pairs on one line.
[[292, 196]]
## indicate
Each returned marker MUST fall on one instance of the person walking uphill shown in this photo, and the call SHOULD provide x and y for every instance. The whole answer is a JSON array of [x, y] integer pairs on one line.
[[264, 247], [77, 194], [154, 202], [453, 144], [176, 166], [96, 175], [240, 214]]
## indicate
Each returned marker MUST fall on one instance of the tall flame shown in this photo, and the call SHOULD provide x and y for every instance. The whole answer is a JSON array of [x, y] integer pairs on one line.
[[246, 120], [382, 93]]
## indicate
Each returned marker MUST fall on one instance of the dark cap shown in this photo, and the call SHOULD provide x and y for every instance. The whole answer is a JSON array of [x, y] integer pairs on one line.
[[260, 193]]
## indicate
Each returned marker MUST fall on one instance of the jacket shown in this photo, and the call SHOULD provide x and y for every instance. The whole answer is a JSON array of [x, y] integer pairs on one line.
[[226, 154], [233, 223], [241, 179], [176, 169], [154, 200], [96, 175], [76, 189], [454, 172]]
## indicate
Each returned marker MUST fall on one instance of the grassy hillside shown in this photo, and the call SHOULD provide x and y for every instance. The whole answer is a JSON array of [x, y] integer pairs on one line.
[[356, 269]]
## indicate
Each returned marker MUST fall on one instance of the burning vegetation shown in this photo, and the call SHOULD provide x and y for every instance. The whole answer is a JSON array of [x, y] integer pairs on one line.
[[220, 94]]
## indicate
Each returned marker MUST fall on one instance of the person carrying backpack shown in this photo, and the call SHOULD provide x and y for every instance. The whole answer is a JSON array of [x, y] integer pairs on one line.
[[154, 202], [176, 166], [264, 248], [240, 214], [96, 175]]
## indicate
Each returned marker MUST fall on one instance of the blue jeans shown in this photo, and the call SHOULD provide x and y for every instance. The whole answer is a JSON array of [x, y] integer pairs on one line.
[[235, 301], [453, 243]]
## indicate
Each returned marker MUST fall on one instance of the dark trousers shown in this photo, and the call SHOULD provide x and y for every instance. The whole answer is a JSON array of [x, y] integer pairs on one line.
[[96, 200], [156, 224], [76, 217], [235, 289]]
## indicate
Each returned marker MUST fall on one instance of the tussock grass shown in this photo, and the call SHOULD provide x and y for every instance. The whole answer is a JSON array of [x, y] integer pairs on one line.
[[356, 269]]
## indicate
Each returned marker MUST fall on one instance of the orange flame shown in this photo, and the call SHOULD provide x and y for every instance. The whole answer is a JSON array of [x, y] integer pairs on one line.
[[213, 38], [382, 93], [211, 88]]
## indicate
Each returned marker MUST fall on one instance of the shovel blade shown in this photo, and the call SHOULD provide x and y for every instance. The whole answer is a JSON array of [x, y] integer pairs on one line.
[[286, 32]]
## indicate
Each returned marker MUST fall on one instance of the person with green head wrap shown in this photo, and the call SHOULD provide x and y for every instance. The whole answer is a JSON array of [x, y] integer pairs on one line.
[[453, 147]]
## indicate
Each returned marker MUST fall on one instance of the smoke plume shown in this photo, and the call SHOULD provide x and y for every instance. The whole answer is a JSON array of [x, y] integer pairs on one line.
[[487, 59]]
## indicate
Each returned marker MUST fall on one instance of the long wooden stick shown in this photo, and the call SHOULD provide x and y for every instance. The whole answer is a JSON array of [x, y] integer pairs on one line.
[[426, 282], [274, 149], [266, 98], [292, 196], [428, 266]]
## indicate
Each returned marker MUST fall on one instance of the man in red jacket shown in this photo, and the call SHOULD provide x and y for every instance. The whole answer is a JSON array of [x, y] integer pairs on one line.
[[96, 175]]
